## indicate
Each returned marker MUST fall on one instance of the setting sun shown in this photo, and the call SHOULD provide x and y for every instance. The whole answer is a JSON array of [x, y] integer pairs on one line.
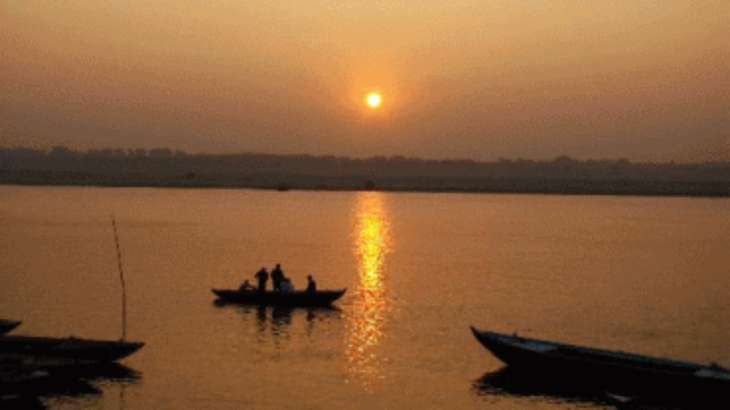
[[373, 100]]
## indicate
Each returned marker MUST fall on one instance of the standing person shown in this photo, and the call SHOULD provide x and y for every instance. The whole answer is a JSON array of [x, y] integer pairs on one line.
[[262, 276], [277, 276], [311, 284]]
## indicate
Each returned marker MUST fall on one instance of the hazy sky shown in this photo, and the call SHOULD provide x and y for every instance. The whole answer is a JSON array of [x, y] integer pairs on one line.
[[477, 79]]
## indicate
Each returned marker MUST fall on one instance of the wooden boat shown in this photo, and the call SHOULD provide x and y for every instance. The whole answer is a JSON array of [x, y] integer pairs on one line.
[[294, 299], [8, 325], [613, 371], [64, 351]]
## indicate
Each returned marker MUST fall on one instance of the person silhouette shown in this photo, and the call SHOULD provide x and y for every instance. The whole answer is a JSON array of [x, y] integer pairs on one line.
[[246, 286], [262, 276], [311, 284], [286, 286], [277, 276]]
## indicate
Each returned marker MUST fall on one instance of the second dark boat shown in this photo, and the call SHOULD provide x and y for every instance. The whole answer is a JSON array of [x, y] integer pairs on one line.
[[612, 371]]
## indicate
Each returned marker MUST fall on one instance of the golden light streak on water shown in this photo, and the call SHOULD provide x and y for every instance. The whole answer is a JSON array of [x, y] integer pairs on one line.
[[371, 245]]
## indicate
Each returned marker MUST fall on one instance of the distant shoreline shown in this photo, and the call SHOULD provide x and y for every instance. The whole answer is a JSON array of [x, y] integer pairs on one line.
[[164, 168], [629, 189]]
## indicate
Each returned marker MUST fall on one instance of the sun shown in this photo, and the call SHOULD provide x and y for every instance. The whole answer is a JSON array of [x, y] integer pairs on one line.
[[373, 100]]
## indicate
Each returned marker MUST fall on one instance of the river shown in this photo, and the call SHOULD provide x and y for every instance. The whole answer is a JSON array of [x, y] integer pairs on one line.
[[642, 274]]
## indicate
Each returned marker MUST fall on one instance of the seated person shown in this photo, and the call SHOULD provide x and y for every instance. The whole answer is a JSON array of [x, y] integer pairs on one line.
[[311, 284], [246, 286], [287, 286]]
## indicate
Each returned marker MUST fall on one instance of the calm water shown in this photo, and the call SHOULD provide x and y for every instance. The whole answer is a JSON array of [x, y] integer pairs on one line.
[[640, 274]]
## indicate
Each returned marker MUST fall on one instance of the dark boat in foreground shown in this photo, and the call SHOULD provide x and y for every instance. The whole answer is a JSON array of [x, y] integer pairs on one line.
[[52, 351], [612, 371], [8, 325], [293, 299]]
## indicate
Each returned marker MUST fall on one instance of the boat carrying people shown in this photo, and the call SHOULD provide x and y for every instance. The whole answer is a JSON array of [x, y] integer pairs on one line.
[[282, 294]]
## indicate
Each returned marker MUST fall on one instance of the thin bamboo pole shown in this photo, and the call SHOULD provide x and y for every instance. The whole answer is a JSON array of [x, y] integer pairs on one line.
[[121, 279]]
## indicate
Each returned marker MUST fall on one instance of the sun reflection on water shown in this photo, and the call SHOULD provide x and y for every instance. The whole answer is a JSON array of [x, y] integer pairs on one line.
[[371, 244]]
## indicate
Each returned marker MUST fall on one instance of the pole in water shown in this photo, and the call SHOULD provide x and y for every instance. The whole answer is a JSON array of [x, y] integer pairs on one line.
[[121, 279]]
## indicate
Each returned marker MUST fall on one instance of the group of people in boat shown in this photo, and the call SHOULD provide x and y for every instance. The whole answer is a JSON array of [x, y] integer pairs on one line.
[[279, 281]]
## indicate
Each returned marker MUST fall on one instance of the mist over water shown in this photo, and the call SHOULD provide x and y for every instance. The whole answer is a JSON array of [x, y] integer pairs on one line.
[[647, 275]]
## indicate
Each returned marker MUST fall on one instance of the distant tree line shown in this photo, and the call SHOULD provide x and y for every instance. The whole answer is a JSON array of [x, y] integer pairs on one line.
[[167, 167]]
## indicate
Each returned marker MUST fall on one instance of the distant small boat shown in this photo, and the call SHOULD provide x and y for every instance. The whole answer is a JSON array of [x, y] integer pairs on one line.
[[609, 369], [63, 351], [270, 298], [8, 325]]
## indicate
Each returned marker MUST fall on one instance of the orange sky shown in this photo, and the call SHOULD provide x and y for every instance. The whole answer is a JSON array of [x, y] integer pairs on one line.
[[476, 79]]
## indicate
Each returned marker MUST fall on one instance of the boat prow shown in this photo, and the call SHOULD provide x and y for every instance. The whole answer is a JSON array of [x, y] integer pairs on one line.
[[8, 325]]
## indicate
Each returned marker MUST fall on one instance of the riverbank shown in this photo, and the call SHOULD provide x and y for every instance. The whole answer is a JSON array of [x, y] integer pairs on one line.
[[556, 186], [164, 168]]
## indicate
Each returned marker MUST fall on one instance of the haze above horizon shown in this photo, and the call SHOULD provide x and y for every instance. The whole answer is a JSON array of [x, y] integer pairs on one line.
[[464, 79]]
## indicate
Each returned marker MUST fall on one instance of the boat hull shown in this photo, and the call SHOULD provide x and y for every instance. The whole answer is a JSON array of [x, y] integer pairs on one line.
[[294, 299], [63, 351], [611, 370]]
